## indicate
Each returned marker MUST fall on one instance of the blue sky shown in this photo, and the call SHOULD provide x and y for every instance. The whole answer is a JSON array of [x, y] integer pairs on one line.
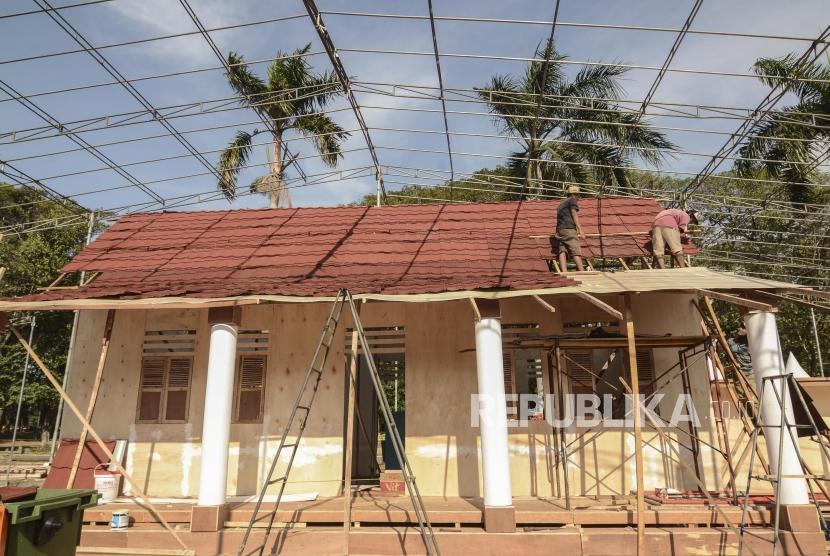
[[127, 20]]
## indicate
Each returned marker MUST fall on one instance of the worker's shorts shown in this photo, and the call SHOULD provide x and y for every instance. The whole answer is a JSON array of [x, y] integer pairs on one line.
[[569, 242], [662, 236]]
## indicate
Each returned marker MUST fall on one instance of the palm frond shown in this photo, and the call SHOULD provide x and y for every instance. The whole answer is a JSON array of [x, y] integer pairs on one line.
[[546, 66], [600, 82], [244, 82], [326, 134], [773, 71], [231, 161]]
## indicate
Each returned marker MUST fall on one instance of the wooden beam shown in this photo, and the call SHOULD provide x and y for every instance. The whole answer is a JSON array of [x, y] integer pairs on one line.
[[351, 394], [623, 263], [808, 292], [616, 234], [475, 308], [545, 304], [667, 441], [601, 304], [777, 296], [747, 386], [96, 387], [638, 433], [735, 300], [98, 440]]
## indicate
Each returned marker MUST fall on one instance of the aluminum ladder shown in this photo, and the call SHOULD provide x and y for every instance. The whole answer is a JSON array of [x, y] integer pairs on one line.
[[299, 413]]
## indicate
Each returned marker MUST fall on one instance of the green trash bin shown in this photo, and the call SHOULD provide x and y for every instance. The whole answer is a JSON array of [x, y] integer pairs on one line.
[[48, 525]]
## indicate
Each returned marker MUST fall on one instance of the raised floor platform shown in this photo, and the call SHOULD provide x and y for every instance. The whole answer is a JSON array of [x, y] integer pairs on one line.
[[383, 526], [370, 509]]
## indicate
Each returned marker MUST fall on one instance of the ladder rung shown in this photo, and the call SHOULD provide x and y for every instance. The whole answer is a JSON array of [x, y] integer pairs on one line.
[[304, 407], [277, 480], [286, 446]]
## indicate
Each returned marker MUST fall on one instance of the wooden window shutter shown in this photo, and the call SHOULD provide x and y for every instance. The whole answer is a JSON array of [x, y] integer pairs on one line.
[[509, 379], [178, 388], [645, 371], [579, 364], [250, 388], [151, 388]]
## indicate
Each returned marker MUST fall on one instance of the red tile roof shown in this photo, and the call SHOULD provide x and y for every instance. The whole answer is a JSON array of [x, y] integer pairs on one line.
[[403, 249]]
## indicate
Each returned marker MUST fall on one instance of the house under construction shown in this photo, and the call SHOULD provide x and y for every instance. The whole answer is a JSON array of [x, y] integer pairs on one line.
[[195, 331]]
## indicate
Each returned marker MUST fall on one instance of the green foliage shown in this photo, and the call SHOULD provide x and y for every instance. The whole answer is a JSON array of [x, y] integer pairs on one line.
[[290, 99], [484, 186], [576, 134], [785, 144], [33, 260]]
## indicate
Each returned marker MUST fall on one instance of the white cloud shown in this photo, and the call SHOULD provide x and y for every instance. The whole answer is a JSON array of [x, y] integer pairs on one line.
[[168, 17]]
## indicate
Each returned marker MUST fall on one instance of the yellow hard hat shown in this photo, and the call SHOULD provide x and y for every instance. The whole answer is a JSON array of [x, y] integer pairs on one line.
[[573, 189]]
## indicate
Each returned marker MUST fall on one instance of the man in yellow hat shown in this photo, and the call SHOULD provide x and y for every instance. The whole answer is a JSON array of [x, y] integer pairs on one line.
[[568, 230]]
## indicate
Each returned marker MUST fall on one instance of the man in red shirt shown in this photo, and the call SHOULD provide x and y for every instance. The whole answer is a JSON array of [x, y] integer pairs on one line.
[[665, 232]]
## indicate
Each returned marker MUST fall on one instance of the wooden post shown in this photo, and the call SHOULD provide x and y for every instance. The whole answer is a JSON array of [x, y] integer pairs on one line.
[[745, 384], [96, 387], [349, 440], [638, 433], [563, 441], [2, 268], [74, 408]]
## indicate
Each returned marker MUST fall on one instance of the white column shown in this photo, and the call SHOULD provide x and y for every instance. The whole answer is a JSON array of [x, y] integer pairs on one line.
[[216, 429], [493, 417], [767, 360]]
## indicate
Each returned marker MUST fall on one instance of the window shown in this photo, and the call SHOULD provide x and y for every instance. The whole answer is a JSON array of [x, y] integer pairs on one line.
[[598, 371], [164, 392], [166, 370], [523, 377], [250, 388], [251, 367], [590, 370]]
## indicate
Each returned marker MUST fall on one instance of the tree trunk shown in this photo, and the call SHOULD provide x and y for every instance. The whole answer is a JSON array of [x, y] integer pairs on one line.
[[276, 171]]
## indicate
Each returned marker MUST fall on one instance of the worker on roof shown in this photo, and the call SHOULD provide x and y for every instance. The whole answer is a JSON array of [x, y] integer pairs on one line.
[[665, 231], [568, 230]]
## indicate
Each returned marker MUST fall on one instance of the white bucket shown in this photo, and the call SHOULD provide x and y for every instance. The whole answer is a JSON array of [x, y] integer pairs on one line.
[[120, 520], [106, 483]]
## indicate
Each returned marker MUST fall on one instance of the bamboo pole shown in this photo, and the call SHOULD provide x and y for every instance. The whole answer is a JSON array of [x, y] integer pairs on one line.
[[74, 408], [96, 387], [638, 433]]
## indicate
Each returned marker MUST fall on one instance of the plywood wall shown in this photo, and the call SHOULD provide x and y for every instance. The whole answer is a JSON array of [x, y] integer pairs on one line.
[[440, 377]]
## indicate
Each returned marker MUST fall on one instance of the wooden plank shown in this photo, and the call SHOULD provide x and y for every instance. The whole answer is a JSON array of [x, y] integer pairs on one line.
[[475, 310], [602, 343], [351, 394], [601, 304], [133, 551], [725, 346], [667, 441], [544, 304], [808, 292], [638, 433], [96, 387], [98, 440], [776, 296], [616, 234], [735, 300]]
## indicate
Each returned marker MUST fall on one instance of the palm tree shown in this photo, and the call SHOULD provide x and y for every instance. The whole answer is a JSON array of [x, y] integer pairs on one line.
[[577, 134], [785, 144], [292, 98]]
